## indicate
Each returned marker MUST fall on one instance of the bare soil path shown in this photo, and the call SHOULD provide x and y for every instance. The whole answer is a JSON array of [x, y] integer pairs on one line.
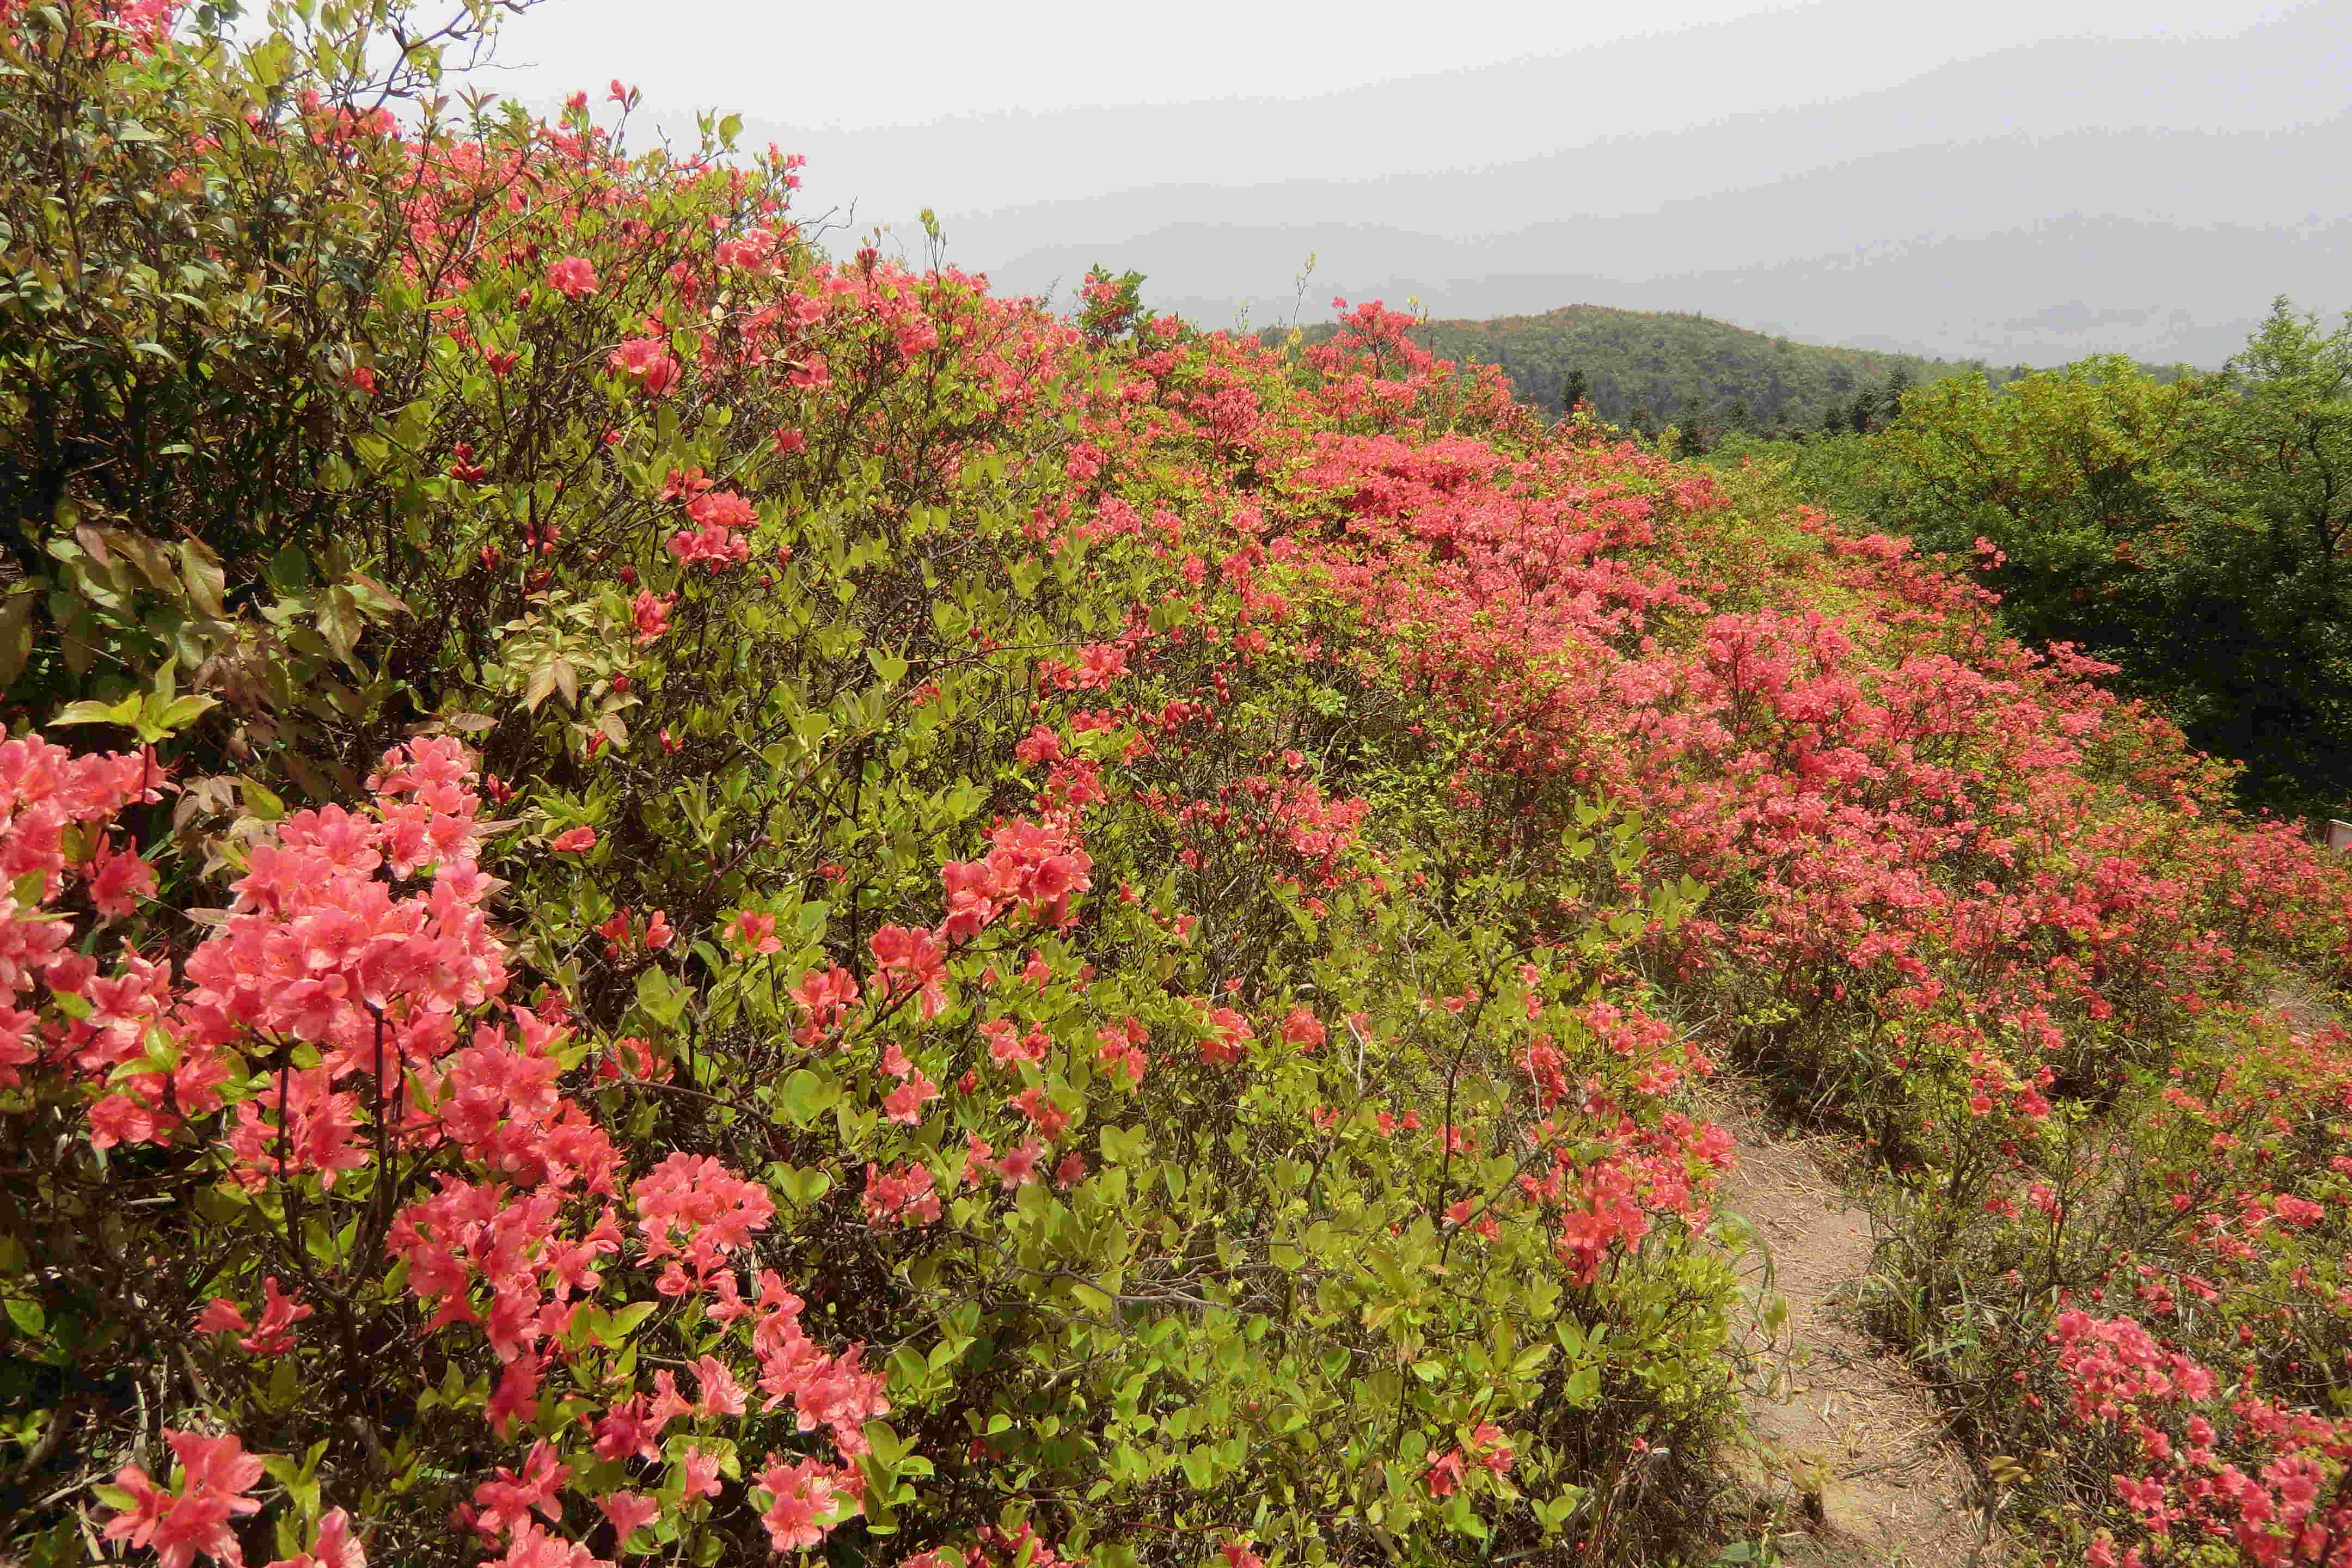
[[1851, 1451]]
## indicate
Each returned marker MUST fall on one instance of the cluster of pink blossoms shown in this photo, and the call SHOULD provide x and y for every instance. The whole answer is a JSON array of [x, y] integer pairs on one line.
[[695, 1211], [319, 945], [720, 535], [1485, 1449], [193, 1517], [362, 936], [45, 790], [2284, 1504], [2115, 1363], [647, 364], [835, 1392], [1030, 867]]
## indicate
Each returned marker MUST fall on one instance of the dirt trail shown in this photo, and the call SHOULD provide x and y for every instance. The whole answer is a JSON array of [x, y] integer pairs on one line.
[[1852, 1452], [2307, 1011]]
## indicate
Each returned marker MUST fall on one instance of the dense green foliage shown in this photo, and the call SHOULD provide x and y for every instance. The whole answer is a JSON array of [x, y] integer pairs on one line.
[[2191, 531], [1648, 370]]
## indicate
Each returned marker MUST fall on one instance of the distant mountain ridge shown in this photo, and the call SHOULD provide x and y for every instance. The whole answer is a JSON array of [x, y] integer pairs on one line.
[[2034, 203]]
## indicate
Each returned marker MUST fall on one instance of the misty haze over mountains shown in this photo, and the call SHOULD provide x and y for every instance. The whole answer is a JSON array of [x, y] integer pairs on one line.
[[2033, 204]]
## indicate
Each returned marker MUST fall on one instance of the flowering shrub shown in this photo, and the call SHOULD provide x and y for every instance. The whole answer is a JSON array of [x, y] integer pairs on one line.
[[2153, 1305], [804, 909], [335, 1089], [766, 964]]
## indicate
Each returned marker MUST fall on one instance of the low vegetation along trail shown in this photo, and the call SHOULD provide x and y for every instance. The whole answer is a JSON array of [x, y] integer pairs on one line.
[[1850, 1450]]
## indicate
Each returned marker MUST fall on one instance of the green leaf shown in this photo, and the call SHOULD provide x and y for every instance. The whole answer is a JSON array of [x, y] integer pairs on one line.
[[125, 712], [290, 570], [804, 1187], [259, 799], [662, 1001], [623, 1322], [16, 636], [805, 1096], [201, 570], [183, 711], [340, 623]]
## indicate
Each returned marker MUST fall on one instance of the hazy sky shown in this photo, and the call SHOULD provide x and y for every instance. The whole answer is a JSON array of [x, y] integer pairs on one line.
[[2014, 179], [850, 65]]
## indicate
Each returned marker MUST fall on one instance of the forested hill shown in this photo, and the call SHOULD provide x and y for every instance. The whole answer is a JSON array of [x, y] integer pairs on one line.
[[1651, 368], [1648, 369]]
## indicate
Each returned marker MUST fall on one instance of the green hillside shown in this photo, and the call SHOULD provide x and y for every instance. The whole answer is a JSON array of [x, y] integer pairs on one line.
[[1649, 369]]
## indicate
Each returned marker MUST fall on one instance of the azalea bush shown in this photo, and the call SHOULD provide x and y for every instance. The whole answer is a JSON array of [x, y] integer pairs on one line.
[[2143, 1312], [1999, 925], [733, 946], [369, 1164], [731, 900]]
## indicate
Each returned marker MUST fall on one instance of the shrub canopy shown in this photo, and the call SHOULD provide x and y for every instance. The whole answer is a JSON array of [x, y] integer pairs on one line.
[[671, 895]]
